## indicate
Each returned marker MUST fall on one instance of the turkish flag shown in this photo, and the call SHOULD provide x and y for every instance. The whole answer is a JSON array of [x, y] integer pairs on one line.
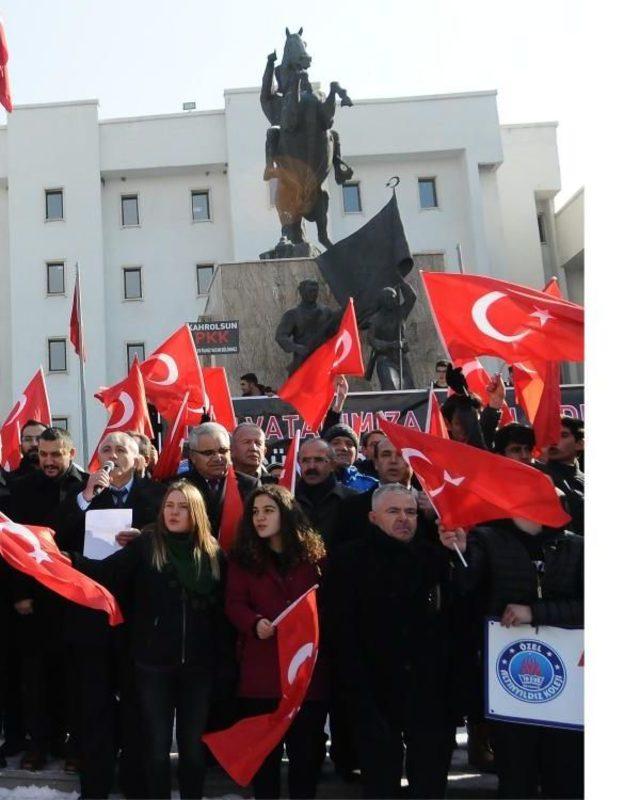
[[537, 389], [76, 331], [289, 473], [220, 404], [467, 485], [478, 315], [31, 549], [310, 389], [127, 406], [5, 86], [33, 403], [232, 510], [477, 380], [242, 749], [436, 425], [171, 453], [172, 370]]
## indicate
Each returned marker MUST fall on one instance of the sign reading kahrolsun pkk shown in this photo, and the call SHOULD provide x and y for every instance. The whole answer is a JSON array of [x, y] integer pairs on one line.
[[216, 338]]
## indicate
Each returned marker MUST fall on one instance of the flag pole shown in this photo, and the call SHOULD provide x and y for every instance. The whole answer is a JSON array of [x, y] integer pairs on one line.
[[83, 385], [460, 261]]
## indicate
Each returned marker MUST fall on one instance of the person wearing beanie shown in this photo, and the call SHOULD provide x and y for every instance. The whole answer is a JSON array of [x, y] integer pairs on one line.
[[344, 441]]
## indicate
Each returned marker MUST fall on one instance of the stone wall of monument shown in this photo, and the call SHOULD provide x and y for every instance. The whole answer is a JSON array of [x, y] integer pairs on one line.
[[257, 293]]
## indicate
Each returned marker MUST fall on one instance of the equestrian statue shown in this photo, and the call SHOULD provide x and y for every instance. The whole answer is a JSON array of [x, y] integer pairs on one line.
[[301, 147]]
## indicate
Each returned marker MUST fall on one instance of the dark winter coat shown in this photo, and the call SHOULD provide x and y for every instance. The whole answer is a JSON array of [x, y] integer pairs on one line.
[[169, 625], [569, 478], [252, 596], [323, 506], [392, 627], [501, 571], [85, 626]]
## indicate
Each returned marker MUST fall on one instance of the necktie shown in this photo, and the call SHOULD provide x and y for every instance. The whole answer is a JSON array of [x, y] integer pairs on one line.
[[119, 496]]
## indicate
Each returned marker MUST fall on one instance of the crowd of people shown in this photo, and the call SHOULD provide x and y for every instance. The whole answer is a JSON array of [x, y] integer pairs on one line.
[[401, 617]]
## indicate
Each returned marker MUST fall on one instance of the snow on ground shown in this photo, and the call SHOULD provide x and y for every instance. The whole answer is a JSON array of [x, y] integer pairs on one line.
[[46, 793]]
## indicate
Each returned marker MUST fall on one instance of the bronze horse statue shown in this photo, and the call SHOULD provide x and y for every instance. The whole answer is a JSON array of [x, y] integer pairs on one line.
[[301, 147]]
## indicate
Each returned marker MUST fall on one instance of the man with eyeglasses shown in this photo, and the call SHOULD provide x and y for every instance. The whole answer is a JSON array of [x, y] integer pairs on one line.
[[209, 462], [394, 627]]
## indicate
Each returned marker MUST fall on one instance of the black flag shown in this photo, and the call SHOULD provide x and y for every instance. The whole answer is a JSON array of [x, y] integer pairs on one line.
[[375, 256]]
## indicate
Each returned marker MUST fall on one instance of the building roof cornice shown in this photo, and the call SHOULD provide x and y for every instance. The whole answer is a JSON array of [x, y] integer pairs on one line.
[[61, 104]]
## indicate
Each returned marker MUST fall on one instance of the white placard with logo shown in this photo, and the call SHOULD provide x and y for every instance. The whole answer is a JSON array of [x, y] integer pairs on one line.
[[534, 676]]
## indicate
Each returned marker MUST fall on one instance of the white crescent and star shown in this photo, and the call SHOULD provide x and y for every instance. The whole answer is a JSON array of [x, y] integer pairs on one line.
[[172, 369], [303, 653], [447, 479], [38, 554], [22, 401], [343, 348], [411, 452], [127, 411], [479, 314]]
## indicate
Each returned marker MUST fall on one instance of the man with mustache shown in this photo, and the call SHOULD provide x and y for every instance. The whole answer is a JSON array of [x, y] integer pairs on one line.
[[317, 489]]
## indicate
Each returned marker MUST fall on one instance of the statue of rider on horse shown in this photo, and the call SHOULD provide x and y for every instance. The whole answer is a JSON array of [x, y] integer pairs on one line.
[[301, 147]]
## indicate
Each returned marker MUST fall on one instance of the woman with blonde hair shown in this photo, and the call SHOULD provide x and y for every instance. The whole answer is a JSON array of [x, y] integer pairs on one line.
[[277, 556], [173, 575]]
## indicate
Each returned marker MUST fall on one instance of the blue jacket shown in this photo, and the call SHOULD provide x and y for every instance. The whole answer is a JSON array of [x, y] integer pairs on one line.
[[353, 479]]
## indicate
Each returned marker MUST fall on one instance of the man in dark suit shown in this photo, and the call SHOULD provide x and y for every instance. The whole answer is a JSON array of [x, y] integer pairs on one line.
[[37, 499], [101, 658], [209, 462], [248, 451], [29, 435]]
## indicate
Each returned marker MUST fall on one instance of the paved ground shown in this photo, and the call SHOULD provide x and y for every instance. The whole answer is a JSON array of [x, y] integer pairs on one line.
[[463, 783]]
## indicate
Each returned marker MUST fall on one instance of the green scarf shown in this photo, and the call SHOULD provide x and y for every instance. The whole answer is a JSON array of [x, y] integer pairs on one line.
[[181, 556]]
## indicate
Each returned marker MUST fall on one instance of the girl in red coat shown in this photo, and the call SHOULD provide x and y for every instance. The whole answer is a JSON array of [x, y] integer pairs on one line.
[[276, 557]]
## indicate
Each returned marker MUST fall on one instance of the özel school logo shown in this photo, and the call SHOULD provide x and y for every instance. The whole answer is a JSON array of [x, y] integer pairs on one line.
[[531, 671]]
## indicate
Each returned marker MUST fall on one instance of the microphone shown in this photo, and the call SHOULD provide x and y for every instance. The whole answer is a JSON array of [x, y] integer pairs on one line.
[[108, 467]]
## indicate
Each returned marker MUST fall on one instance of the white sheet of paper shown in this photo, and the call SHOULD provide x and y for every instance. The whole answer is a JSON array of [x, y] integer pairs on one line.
[[100, 528]]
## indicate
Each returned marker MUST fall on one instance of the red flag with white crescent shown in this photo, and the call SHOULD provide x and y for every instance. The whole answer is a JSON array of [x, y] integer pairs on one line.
[[31, 549], [478, 315], [242, 748], [127, 407], [310, 389], [467, 485], [33, 403], [172, 370]]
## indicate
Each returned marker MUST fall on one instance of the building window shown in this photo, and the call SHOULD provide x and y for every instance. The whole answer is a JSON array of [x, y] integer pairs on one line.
[[57, 355], [60, 422], [427, 191], [135, 349], [200, 206], [55, 277], [132, 283], [129, 210], [54, 208], [205, 275], [351, 198], [542, 231]]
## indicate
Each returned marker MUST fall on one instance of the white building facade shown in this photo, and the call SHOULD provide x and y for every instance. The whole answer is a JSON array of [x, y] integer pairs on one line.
[[148, 206]]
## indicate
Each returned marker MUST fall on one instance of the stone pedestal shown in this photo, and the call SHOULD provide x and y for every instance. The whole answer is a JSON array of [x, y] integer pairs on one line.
[[257, 293]]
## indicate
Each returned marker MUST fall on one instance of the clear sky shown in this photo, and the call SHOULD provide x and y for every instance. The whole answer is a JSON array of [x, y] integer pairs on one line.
[[148, 56]]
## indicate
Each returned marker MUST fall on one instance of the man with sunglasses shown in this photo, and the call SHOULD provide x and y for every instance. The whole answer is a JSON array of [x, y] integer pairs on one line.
[[209, 462]]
